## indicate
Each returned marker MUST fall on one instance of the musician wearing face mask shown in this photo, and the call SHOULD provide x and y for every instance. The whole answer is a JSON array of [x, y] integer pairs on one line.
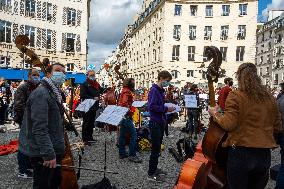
[[90, 89], [42, 131], [224, 92], [21, 96], [157, 110]]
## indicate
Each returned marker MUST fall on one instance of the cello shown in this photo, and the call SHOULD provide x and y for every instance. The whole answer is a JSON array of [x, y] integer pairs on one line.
[[207, 167], [69, 177]]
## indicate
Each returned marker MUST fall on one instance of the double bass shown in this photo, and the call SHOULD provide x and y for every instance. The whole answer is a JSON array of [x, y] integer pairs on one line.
[[207, 167], [69, 177]]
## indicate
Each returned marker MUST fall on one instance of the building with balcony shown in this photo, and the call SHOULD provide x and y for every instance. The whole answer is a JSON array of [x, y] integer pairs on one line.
[[172, 35], [57, 30], [270, 51]]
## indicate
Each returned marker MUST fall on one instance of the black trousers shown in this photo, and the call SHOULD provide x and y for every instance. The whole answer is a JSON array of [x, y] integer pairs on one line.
[[88, 124], [46, 178], [248, 168], [157, 132]]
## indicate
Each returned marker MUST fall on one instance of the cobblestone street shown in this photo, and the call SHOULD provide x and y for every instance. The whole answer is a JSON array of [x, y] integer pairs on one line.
[[131, 175]]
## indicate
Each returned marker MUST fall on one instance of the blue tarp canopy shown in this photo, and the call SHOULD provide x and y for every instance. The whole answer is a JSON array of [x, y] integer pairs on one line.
[[18, 74]]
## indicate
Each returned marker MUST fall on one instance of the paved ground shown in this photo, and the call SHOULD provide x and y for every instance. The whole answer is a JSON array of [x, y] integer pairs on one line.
[[131, 176]]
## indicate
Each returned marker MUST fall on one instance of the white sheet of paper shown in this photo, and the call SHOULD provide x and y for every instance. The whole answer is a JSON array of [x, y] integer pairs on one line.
[[203, 96], [85, 105], [178, 109], [112, 115], [138, 104], [190, 101]]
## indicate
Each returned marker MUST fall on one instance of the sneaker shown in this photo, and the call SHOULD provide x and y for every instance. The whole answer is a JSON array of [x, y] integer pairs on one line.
[[27, 175], [156, 178], [135, 159], [160, 172], [123, 156]]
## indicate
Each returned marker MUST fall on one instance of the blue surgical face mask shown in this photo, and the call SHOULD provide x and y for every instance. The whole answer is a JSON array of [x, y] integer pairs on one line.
[[165, 84], [35, 80], [58, 78], [93, 78]]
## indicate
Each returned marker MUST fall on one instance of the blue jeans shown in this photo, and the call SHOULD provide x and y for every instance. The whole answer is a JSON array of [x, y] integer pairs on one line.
[[126, 125], [24, 162], [280, 176], [157, 133]]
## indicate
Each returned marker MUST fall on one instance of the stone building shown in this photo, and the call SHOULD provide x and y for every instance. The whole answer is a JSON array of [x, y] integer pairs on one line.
[[270, 51], [172, 35], [57, 30]]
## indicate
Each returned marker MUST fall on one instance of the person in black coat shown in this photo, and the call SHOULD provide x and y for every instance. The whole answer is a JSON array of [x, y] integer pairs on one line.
[[90, 89]]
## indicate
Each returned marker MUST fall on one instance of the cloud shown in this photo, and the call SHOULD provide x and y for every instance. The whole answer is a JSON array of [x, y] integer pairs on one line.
[[107, 25], [275, 5]]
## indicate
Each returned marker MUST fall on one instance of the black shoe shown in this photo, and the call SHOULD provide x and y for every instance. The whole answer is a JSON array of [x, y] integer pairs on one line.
[[160, 172], [87, 143], [92, 141], [123, 156], [27, 175], [156, 178], [135, 159]]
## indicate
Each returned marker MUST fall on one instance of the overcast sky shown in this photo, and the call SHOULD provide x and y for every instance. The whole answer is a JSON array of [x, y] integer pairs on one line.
[[110, 18], [107, 24]]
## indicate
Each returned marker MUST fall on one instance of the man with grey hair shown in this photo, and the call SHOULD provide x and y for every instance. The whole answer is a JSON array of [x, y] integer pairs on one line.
[[42, 132], [90, 89]]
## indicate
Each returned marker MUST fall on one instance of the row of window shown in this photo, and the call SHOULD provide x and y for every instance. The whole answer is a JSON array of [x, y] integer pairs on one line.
[[30, 31], [240, 51], [241, 35], [5, 61], [243, 8], [31, 9]]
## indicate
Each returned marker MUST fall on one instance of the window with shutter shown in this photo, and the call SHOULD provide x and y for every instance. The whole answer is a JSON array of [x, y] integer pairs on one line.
[[78, 44], [54, 13], [38, 41], [15, 31], [64, 41], [22, 29], [38, 9], [79, 17], [22, 7], [64, 17], [54, 40], [43, 38], [16, 8], [44, 8]]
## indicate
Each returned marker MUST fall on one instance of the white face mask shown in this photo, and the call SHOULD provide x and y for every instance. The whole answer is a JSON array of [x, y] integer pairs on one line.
[[58, 78]]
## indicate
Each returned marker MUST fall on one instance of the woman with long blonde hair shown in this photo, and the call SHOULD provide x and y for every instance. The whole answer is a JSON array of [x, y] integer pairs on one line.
[[252, 119]]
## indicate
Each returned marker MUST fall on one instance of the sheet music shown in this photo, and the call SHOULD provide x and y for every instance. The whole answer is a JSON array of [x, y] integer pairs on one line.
[[190, 101], [112, 115], [203, 96], [138, 104], [177, 108], [85, 105]]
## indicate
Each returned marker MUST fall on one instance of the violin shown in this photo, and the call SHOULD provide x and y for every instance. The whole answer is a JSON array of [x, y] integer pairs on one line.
[[69, 177]]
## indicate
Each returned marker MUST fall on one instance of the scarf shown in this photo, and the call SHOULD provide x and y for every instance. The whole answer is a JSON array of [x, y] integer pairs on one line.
[[93, 83], [55, 89]]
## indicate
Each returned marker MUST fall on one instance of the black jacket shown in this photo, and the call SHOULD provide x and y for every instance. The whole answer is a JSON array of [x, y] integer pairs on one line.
[[89, 92], [21, 96]]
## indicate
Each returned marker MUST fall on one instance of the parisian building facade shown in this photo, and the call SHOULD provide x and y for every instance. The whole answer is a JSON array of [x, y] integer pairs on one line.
[[57, 30], [173, 34], [270, 51]]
